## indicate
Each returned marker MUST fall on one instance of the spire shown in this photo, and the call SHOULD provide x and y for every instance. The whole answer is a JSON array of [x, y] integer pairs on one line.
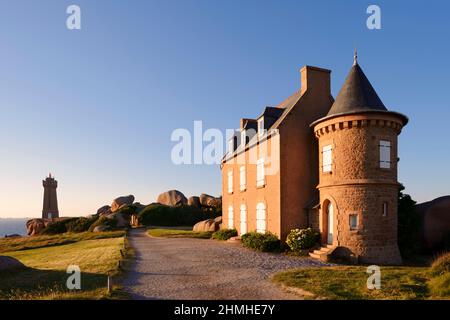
[[355, 57], [357, 94]]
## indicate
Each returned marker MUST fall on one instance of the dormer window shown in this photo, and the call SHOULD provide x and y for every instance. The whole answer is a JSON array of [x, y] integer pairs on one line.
[[261, 126], [231, 145], [243, 138]]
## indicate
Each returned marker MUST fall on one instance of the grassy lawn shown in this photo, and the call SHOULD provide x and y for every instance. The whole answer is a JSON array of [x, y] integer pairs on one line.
[[349, 282], [44, 277], [178, 233]]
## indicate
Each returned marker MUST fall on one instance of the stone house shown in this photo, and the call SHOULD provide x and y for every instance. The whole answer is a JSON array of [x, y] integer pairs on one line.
[[314, 162]]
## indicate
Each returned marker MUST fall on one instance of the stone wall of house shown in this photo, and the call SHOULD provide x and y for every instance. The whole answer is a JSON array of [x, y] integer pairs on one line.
[[358, 186]]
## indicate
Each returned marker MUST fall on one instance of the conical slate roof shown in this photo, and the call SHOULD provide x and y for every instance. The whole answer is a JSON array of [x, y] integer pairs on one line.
[[356, 95]]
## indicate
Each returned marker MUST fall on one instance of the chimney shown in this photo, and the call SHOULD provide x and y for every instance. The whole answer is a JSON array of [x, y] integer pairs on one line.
[[315, 79]]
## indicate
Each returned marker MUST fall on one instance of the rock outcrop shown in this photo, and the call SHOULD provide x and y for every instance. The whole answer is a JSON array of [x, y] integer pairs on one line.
[[211, 225], [172, 198], [209, 201], [435, 216], [104, 210], [36, 226], [194, 202], [8, 263], [121, 201]]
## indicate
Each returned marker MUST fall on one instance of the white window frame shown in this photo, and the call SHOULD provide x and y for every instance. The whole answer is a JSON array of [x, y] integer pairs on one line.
[[230, 181], [261, 126], [385, 154], [327, 158], [261, 218], [243, 138], [243, 219], [230, 217], [260, 173], [350, 220], [242, 179], [231, 145]]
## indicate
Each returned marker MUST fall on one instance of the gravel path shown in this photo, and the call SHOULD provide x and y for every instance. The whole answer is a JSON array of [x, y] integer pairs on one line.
[[186, 268]]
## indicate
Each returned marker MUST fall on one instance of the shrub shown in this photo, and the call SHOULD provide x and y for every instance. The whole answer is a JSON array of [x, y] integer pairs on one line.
[[266, 242], [112, 223], [301, 239], [441, 265], [408, 224], [440, 286], [58, 226], [224, 234], [80, 224], [161, 215]]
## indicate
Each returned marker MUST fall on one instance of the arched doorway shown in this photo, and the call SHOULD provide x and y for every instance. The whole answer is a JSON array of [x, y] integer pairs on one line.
[[330, 222]]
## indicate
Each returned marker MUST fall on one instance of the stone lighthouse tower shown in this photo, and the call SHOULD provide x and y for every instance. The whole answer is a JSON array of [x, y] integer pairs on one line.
[[358, 184], [50, 206]]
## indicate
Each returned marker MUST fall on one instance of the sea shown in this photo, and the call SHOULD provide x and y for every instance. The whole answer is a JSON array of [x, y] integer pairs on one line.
[[10, 226]]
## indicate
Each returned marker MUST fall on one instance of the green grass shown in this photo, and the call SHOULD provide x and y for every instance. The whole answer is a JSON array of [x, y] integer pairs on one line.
[[44, 276], [175, 233], [25, 243], [350, 282]]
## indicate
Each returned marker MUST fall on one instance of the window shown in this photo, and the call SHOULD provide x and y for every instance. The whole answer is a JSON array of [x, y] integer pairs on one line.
[[385, 154], [230, 218], [231, 145], [242, 178], [353, 221], [260, 179], [261, 217], [243, 228], [243, 138], [385, 209], [261, 126], [230, 181], [326, 158]]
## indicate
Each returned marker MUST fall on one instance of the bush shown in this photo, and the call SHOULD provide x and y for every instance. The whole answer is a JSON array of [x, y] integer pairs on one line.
[[161, 215], [224, 234], [440, 286], [80, 224], [112, 223], [301, 239], [408, 225], [58, 226], [441, 265], [266, 242]]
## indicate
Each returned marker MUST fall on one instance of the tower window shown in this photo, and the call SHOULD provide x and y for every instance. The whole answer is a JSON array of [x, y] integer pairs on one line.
[[385, 154], [353, 219], [326, 158], [385, 209], [243, 138]]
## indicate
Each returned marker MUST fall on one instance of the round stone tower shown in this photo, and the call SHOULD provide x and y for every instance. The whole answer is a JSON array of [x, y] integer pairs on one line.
[[358, 184]]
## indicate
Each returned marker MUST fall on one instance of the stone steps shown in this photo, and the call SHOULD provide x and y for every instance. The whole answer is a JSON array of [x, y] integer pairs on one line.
[[322, 253]]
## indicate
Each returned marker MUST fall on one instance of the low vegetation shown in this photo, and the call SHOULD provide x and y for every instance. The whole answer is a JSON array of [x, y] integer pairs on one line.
[[265, 242], [224, 234], [176, 233], [80, 224], [46, 259], [161, 215], [26, 243], [301, 239], [350, 282]]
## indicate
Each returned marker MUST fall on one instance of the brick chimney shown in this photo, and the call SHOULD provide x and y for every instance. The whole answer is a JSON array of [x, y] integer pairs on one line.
[[315, 79]]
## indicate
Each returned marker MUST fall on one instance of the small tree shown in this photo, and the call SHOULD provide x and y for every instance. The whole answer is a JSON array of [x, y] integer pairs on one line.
[[408, 224]]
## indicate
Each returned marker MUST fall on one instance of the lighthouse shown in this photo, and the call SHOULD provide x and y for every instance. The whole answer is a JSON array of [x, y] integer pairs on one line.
[[50, 206]]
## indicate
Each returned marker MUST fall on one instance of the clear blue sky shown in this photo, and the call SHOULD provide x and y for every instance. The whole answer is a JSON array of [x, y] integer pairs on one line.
[[96, 107]]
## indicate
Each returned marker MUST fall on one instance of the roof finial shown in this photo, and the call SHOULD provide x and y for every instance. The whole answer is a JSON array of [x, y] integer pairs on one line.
[[355, 57]]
